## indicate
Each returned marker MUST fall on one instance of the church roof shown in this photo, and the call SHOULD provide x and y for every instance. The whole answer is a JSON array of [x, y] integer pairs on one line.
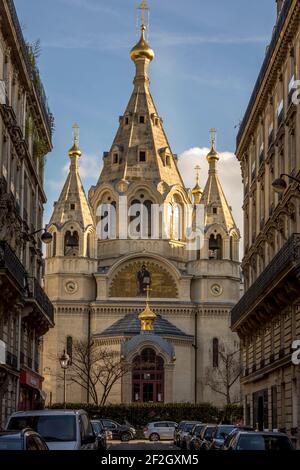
[[213, 197], [141, 129], [72, 204], [130, 325]]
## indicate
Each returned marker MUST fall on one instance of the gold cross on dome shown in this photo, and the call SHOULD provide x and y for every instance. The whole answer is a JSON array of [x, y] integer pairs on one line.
[[148, 290], [197, 168], [213, 136], [143, 7], [75, 128]]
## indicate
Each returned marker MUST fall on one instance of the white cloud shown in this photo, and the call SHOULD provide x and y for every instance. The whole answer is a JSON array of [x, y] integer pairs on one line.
[[89, 167], [229, 174]]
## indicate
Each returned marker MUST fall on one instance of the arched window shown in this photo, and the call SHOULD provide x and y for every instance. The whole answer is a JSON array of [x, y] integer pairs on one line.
[[231, 247], [148, 377], [106, 226], [140, 217], [88, 245], [215, 352], [215, 247], [54, 244], [71, 243]]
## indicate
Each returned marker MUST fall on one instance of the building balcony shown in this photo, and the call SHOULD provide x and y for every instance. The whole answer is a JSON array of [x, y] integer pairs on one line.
[[11, 267], [37, 297], [276, 287]]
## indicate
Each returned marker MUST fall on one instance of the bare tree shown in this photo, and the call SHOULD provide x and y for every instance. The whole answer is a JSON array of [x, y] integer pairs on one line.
[[96, 369], [225, 374]]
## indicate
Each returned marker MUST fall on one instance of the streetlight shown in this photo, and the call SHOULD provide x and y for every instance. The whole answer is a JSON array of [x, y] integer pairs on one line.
[[65, 362], [46, 237], [280, 185]]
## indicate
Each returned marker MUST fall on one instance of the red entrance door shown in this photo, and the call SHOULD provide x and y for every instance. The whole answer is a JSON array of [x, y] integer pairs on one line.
[[148, 377]]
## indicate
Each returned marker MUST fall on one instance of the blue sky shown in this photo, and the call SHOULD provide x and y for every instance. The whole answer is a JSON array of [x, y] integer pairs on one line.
[[208, 55]]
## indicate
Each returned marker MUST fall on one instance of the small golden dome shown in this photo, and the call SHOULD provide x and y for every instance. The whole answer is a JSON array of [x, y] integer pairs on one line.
[[197, 189], [212, 155], [147, 318], [75, 151], [142, 50]]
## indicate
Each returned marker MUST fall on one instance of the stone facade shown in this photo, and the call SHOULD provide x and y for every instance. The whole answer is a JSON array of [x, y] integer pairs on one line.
[[25, 137], [95, 284], [267, 317]]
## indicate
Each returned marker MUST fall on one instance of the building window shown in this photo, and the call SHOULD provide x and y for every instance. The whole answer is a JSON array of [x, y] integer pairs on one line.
[[215, 210], [215, 352], [54, 244], [142, 119], [215, 247], [142, 156], [168, 160], [115, 158], [126, 121], [71, 244], [148, 377], [72, 207]]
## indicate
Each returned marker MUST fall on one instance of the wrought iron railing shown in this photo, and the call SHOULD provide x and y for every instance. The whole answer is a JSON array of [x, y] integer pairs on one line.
[[289, 254], [32, 71], [10, 262], [277, 30], [37, 293]]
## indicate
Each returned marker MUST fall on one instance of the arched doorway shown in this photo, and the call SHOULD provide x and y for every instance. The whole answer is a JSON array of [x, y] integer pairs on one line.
[[148, 377]]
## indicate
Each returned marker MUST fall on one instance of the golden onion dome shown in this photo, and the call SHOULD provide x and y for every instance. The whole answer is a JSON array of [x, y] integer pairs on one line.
[[75, 151], [197, 189], [212, 155], [147, 318], [142, 50]]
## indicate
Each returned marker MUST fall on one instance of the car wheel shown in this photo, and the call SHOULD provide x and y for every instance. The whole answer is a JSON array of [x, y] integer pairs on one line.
[[125, 437], [154, 437]]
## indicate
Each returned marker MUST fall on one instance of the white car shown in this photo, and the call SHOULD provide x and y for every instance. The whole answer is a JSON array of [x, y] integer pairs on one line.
[[160, 430]]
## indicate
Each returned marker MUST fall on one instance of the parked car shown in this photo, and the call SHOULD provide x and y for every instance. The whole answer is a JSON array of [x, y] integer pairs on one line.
[[194, 434], [184, 431], [61, 429], [234, 432], [22, 440], [121, 432], [101, 434], [159, 430], [219, 435], [267, 441], [97, 426], [204, 440]]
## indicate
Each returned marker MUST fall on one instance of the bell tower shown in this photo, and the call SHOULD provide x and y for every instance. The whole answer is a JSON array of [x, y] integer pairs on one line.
[[72, 250]]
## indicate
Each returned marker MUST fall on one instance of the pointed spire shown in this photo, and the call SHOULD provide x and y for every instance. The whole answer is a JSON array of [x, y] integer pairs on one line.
[[74, 150], [147, 317], [142, 54], [213, 156], [72, 203], [197, 191], [217, 209]]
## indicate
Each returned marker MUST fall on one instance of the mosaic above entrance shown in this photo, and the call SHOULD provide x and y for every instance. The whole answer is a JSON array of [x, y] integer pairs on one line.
[[133, 279]]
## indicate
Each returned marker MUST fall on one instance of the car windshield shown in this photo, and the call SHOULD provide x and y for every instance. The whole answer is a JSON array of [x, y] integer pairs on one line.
[[261, 442], [51, 428], [188, 427], [197, 429], [10, 444], [208, 432], [222, 431], [97, 428]]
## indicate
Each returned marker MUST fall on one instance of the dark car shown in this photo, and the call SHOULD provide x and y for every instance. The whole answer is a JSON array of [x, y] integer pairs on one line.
[[219, 435], [193, 435], [233, 433], [184, 431], [100, 433], [204, 440], [266, 441], [121, 432], [22, 440]]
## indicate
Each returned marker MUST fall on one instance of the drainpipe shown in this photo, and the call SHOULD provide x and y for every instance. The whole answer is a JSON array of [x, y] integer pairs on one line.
[[196, 357], [89, 354]]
